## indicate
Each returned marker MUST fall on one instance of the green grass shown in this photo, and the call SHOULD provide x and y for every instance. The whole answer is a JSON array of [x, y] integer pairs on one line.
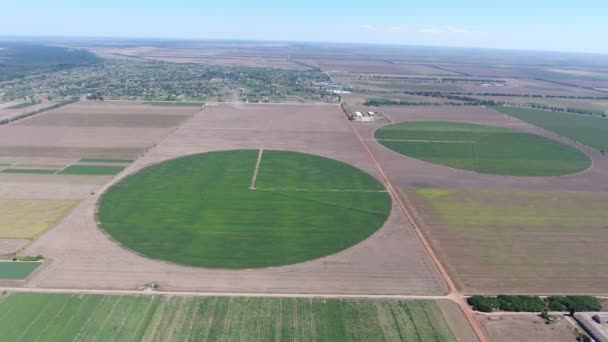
[[91, 170], [34, 171], [199, 210], [16, 270], [117, 161], [22, 105], [483, 149], [59, 317], [589, 130], [175, 104]]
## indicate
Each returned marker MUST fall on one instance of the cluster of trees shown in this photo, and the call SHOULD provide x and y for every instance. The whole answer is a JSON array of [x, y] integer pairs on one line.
[[566, 109], [534, 303], [466, 99], [388, 102], [94, 97]]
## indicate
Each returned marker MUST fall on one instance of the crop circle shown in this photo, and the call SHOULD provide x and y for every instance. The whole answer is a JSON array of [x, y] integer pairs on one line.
[[484, 149], [244, 209]]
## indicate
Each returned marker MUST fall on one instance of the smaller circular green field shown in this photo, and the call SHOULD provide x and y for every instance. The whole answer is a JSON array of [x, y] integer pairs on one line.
[[244, 209], [484, 149]]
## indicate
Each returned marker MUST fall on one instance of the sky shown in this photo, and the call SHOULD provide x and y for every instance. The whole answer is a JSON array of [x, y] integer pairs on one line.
[[543, 25]]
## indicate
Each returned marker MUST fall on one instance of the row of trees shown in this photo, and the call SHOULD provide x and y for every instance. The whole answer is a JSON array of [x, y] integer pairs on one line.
[[25, 115], [534, 303]]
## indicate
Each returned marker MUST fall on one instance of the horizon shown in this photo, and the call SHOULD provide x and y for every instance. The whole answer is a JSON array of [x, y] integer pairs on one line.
[[49, 38], [562, 27]]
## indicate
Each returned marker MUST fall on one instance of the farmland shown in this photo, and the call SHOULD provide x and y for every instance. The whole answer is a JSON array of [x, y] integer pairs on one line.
[[276, 201], [28, 218], [524, 328], [22, 105], [482, 149], [10, 270], [591, 131], [158, 318], [517, 240]]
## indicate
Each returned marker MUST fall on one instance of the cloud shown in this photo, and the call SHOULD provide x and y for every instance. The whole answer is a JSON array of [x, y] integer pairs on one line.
[[452, 31], [369, 28]]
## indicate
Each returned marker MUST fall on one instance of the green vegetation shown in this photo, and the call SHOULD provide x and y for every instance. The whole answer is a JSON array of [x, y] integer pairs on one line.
[[22, 105], [117, 161], [400, 102], [34, 171], [573, 303], [29, 258], [91, 170], [589, 130], [59, 317], [483, 149], [175, 104], [199, 210], [534, 303], [16, 270], [20, 59]]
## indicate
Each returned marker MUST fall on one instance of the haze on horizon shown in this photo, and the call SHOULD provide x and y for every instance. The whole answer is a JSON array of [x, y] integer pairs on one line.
[[541, 25]]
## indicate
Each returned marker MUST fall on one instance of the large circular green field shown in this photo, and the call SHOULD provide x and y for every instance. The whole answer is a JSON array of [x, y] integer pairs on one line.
[[484, 149], [244, 209]]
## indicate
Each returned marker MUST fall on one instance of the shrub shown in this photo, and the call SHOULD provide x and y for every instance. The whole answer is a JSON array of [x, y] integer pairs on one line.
[[520, 303], [31, 258], [576, 303], [483, 303]]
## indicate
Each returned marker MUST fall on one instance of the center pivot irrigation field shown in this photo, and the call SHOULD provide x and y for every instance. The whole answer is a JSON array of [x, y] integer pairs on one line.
[[42, 317], [483, 149], [244, 209]]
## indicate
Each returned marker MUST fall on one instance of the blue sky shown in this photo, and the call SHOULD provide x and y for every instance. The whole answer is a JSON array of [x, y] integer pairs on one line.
[[557, 25]]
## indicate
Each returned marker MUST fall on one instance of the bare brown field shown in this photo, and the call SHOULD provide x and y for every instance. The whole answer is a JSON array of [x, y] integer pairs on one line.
[[527, 328], [49, 186], [390, 262], [410, 173], [375, 67], [11, 246], [107, 120], [77, 142], [517, 242], [114, 130], [253, 62]]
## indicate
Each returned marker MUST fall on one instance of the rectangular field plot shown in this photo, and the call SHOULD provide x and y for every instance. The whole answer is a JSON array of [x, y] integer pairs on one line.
[[29, 218], [589, 130], [85, 119], [31, 171], [41, 317], [519, 242], [10, 270], [98, 170]]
